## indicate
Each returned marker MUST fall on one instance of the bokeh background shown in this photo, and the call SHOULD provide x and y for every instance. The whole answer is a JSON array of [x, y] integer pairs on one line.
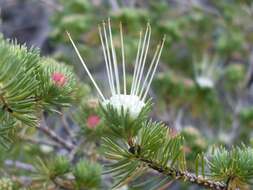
[[203, 87]]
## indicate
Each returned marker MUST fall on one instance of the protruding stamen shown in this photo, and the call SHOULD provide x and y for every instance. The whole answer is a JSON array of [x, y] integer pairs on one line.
[[123, 58], [140, 62], [114, 58], [143, 61], [106, 60], [154, 70], [85, 67], [136, 62], [149, 70], [109, 58]]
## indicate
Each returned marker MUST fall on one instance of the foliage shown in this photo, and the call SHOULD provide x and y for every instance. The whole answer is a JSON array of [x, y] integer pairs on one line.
[[146, 148], [121, 124], [58, 86], [52, 169], [28, 86], [232, 166], [19, 67], [87, 174], [6, 184], [204, 81]]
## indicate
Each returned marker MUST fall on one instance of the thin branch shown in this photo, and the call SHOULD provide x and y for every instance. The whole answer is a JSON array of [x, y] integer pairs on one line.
[[39, 142], [50, 133], [184, 175], [19, 165], [75, 150], [66, 126]]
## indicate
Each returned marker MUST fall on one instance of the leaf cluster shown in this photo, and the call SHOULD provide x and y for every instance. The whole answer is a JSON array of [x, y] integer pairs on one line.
[[87, 174], [132, 161], [121, 124], [235, 164], [19, 67], [55, 93], [83, 174], [28, 86]]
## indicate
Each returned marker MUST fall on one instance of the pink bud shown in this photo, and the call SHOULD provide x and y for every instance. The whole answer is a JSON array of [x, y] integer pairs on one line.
[[59, 79], [92, 121]]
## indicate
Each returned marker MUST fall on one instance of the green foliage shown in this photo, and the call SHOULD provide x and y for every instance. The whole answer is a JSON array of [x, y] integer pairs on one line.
[[87, 174], [30, 84], [196, 143], [59, 166], [170, 154], [49, 170], [236, 164], [19, 67], [234, 75], [29, 87], [121, 124], [75, 18], [146, 148], [58, 85], [6, 184], [175, 90], [7, 130], [86, 111], [246, 116], [230, 41]]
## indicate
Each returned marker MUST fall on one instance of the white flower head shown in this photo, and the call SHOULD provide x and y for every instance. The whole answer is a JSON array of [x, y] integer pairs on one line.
[[208, 72], [131, 100]]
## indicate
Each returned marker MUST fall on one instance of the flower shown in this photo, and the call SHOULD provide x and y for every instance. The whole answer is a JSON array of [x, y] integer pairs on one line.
[[46, 149], [206, 76], [205, 82], [59, 79], [93, 121], [131, 100]]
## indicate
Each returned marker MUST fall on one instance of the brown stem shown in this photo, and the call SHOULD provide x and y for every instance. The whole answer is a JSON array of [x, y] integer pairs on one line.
[[19, 165], [69, 146], [5, 105], [186, 176], [50, 133], [66, 126], [38, 141]]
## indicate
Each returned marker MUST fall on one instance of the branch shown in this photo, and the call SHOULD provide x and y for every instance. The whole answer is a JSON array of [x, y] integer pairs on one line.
[[20, 165], [39, 141], [50, 133], [5, 105], [184, 175], [66, 126]]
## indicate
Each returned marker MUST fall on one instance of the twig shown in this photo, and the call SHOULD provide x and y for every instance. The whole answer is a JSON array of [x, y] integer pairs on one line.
[[22, 180], [66, 126], [50, 133], [75, 150], [184, 175], [40, 142], [20, 165], [65, 184]]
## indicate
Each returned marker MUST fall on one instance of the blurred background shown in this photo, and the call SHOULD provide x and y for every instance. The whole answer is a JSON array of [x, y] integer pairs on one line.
[[203, 87]]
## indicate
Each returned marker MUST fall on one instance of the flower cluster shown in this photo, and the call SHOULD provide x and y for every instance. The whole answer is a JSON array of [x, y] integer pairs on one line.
[[131, 100], [59, 79], [93, 121]]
